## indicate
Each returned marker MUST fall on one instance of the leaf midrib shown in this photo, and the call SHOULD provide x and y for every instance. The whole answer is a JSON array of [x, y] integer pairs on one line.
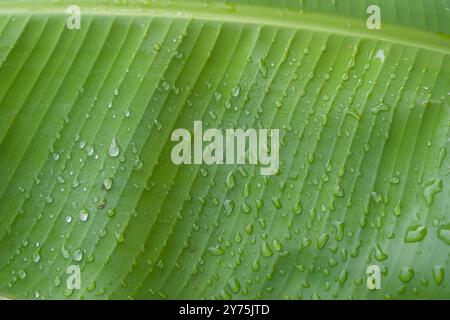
[[245, 14]]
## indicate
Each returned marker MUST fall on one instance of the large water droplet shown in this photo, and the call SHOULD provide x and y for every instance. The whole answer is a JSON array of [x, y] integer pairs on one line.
[[276, 202], [229, 182], [415, 233], [235, 91], [266, 251], [342, 278], [277, 246], [438, 274], [77, 255], [114, 149], [234, 285], [22, 274], [297, 209], [107, 184], [406, 274], [380, 255], [431, 190], [84, 215], [216, 250], [322, 240], [228, 206], [444, 233], [255, 266]]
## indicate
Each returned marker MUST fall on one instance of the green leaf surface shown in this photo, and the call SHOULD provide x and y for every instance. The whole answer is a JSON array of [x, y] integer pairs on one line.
[[364, 176]]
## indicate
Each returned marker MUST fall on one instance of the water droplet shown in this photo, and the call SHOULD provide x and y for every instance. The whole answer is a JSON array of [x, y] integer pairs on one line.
[[77, 255], [394, 180], [216, 250], [340, 226], [322, 240], [380, 108], [235, 91], [438, 274], [229, 182], [36, 258], [431, 190], [228, 206], [246, 207], [49, 200], [380, 55], [297, 209], [338, 192], [22, 274], [406, 274], [415, 233], [217, 96], [114, 149], [156, 47], [107, 184], [276, 202], [277, 246], [120, 237], [342, 278], [442, 155], [255, 266], [265, 250], [397, 209], [262, 68], [234, 285], [111, 212], [249, 228], [84, 215], [376, 197], [444, 233], [380, 255]]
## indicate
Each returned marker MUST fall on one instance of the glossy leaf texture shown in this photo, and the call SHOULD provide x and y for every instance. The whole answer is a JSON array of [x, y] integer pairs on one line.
[[86, 177]]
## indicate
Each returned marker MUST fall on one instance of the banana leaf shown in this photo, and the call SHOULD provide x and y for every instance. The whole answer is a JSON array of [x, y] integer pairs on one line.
[[92, 91]]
